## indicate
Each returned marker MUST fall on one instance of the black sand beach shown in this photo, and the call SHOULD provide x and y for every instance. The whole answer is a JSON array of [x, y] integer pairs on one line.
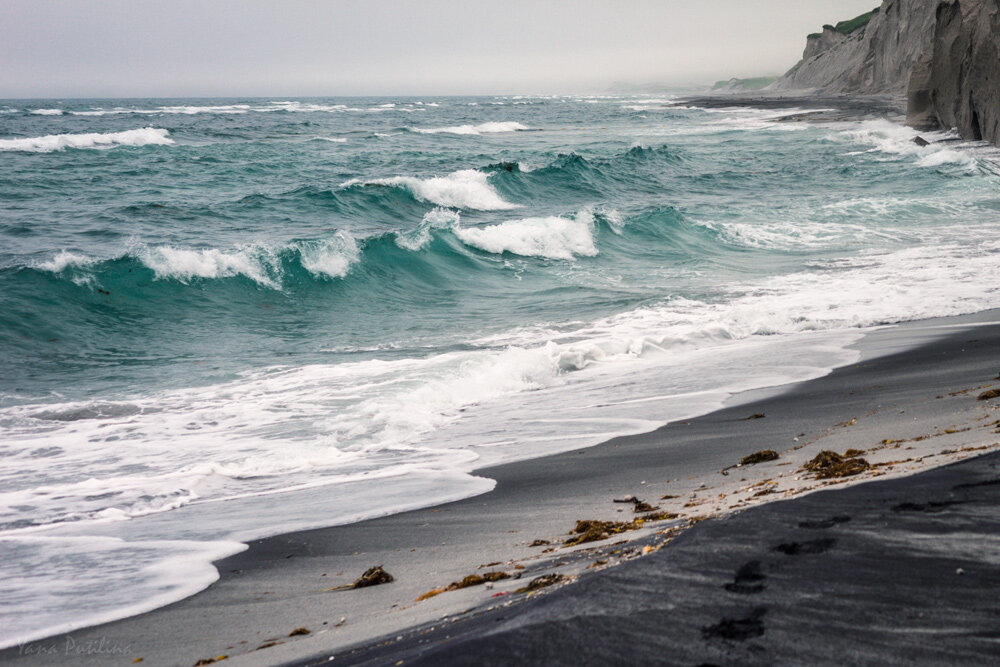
[[897, 572], [829, 590]]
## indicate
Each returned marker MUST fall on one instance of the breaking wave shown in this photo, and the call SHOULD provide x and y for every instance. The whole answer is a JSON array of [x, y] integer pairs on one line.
[[482, 128], [468, 188], [148, 136]]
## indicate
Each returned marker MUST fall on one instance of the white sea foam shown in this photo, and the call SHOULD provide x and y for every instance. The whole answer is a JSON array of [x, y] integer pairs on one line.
[[468, 188], [291, 106], [418, 238], [148, 136], [324, 258], [331, 258], [47, 112], [66, 260], [552, 237], [182, 264], [482, 128], [898, 141], [332, 140], [48, 571]]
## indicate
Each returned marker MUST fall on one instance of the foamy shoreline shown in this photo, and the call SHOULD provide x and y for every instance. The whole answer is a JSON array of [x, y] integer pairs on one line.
[[541, 499]]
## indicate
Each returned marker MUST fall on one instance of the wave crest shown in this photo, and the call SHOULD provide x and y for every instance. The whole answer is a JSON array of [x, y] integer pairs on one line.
[[482, 128], [468, 188], [147, 136], [184, 265], [331, 258], [551, 237]]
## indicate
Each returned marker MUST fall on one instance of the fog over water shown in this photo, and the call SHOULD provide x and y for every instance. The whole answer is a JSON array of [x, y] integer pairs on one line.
[[131, 48]]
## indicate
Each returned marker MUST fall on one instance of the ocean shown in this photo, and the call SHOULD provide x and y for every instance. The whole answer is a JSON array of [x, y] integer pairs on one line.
[[227, 319]]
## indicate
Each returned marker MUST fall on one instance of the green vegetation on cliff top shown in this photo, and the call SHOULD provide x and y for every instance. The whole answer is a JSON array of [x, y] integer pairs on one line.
[[750, 84], [858, 22]]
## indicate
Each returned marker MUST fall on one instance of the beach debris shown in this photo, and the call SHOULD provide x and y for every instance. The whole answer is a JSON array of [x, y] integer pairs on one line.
[[542, 582], [920, 141], [266, 645], [209, 661], [136, 660], [988, 394], [959, 571], [658, 516], [299, 631], [373, 576], [829, 464], [343, 619], [466, 582], [539, 543], [758, 415], [667, 496], [638, 505], [429, 594], [593, 530], [759, 457]]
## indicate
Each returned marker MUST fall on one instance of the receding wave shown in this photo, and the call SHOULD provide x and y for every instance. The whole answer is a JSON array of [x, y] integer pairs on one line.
[[482, 128], [147, 136]]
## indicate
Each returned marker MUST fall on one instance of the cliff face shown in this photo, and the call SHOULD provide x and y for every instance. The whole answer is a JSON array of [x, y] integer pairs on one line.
[[875, 58], [943, 54], [956, 82], [823, 41]]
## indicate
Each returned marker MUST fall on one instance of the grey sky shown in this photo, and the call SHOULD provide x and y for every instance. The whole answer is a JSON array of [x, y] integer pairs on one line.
[[128, 48]]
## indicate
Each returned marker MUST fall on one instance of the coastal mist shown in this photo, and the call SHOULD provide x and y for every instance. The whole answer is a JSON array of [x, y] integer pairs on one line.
[[227, 319]]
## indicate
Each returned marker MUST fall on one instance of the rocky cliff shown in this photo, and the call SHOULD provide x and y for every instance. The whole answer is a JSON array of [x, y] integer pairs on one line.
[[872, 54], [956, 82]]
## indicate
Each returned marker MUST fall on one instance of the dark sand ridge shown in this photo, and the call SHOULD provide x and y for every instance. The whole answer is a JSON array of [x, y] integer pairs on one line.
[[811, 108], [894, 572], [277, 586]]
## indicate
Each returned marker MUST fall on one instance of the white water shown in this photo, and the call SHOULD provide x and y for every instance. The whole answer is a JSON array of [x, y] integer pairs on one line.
[[284, 448], [148, 136]]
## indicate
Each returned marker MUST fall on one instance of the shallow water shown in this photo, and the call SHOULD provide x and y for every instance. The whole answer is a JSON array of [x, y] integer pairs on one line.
[[224, 319]]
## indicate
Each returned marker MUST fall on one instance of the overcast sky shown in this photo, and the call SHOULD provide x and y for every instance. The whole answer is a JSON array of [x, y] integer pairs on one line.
[[131, 48]]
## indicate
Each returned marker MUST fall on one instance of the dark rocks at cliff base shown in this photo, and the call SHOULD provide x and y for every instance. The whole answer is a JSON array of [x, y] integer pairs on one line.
[[956, 83]]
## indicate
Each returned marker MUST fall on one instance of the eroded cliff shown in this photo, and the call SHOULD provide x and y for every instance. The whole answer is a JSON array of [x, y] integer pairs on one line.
[[956, 82], [872, 54]]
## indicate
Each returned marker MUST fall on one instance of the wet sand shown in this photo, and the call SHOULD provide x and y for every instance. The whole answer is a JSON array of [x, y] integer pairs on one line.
[[908, 411], [897, 572]]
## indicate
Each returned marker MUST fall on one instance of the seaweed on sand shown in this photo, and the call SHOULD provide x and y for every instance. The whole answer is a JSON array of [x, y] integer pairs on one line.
[[759, 457], [592, 530], [828, 465]]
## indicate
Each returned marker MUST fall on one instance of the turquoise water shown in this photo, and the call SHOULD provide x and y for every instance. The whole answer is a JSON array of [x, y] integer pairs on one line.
[[303, 307]]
